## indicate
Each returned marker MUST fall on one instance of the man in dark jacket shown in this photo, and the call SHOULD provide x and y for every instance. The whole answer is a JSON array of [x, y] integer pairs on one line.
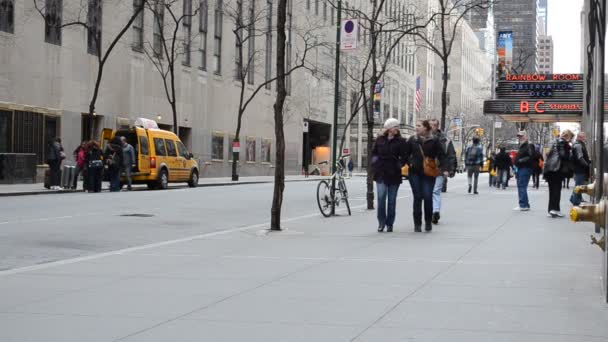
[[114, 159], [581, 161], [473, 158], [524, 162], [450, 159], [502, 165]]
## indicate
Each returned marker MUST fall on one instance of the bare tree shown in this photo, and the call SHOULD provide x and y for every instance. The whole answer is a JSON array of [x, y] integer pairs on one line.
[[447, 19], [87, 14], [169, 46], [258, 23], [521, 60]]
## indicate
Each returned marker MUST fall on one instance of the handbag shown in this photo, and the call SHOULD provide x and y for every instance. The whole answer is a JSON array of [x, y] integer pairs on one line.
[[429, 165]]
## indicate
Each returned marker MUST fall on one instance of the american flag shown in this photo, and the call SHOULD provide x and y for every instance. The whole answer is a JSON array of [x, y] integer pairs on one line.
[[418, 95]]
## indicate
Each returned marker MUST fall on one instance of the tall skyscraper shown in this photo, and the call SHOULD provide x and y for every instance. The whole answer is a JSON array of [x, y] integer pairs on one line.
[[545, 55], [542, 13], [521, 18]]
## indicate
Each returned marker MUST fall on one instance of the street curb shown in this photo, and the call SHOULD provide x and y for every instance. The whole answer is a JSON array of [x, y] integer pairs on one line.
[[49, 192]]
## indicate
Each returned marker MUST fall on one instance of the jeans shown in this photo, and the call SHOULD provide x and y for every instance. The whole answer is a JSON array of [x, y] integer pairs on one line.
[[77, 172], [523, 178], [579, 179], [422, 189], [114, 179], [473, 171], [128, 170], [502, 177], [386, 215], [439, 181]]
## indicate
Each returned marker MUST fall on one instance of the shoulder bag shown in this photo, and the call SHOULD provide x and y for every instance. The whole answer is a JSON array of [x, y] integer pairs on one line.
[[429, 165]]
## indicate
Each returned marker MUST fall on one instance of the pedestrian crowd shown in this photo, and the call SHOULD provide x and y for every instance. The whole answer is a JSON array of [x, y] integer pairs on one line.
[[430, 159], [93, 163]]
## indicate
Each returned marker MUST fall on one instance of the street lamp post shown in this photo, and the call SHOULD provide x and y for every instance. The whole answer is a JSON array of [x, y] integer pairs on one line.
[[336, 107]]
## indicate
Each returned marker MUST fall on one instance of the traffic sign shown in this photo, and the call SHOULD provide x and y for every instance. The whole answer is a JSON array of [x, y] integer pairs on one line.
[[348, 35], [498, 124]]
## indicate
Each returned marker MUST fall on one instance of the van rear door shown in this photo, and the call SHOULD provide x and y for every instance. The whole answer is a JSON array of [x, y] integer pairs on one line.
[[106, 136], [143, 151]]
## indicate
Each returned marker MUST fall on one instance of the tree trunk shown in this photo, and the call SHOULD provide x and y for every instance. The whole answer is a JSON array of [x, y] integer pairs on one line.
[[235, 155], [279, 171], [444, 94], [91, 128]]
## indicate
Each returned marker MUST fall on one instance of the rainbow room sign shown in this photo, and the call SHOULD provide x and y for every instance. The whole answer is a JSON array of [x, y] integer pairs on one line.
[[530, 94]]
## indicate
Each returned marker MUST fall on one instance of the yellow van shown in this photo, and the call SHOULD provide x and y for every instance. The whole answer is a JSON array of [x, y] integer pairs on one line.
[[161, 156]]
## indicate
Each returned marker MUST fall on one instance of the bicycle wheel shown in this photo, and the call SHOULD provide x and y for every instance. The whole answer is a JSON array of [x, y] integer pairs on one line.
[[342, 186], [324, 198]]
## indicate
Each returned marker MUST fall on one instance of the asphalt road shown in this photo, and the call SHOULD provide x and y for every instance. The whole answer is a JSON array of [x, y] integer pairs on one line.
[[44, 228]]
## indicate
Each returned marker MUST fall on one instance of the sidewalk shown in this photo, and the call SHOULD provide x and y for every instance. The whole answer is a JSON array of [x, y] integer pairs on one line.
[[486, 273], [38, 188]]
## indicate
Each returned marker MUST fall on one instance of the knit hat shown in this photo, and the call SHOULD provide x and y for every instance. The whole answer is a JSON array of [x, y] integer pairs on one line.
[[391, 123]]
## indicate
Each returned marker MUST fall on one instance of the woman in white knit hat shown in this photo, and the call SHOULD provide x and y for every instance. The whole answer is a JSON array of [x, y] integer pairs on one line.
[[388, 157]]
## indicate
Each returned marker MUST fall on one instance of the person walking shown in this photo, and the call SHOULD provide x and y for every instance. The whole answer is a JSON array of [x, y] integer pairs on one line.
[[557, 167], [94, 164], [473, 161], [54, 157], [450, 160], [388, 156], [351, 166], [523, 163], [423, 151], [581, 164], [80, 155], [128, 161], [502, 165], [114, 159]]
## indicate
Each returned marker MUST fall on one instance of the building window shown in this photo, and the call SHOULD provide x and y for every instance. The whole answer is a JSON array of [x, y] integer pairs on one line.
[[94, 24], [217, 40], [268, 57], [251, 46], [250, 153], [52, 21], [7, 16], [138, 26], [187, 27], [265, 153], [159, 24], [202, 28], [217, 146]]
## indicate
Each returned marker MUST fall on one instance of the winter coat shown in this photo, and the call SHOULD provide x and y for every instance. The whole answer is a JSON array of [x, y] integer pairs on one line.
[[474, 155], [502, 161], [450, 152], [432, 148], [128, 153], [580, 158], [525, 156], [558, 159], [113, 156], [81, 155], [388, 157], [94, 158]]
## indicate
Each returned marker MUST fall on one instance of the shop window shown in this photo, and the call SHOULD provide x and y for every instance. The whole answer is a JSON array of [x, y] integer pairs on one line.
[[217, 146]]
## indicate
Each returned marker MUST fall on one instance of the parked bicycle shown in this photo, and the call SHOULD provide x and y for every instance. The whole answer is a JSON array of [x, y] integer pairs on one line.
[[328, 199]]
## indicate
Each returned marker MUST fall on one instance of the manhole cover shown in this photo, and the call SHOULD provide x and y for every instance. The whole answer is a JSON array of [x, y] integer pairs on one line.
[[137, 215]]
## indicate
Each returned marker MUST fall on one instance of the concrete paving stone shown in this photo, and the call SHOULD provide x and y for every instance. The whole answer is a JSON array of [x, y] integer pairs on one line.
[[371, 271], [565, 277], [35, 328], [488, 317], [265, 269], [269, 331], [19, 289], [550, 298], [251, 307], [106, 303], [118, 265], [456, 335]]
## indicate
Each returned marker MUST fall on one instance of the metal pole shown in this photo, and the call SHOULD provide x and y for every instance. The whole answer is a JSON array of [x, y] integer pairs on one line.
[[336, 107]]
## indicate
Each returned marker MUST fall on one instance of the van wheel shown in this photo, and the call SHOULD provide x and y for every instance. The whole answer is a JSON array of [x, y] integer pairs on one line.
[[193, 182], [163, 180]]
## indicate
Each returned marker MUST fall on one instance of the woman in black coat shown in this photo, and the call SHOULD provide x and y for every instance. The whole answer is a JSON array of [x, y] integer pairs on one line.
[[388, 157], [557, 167], [424, 144]]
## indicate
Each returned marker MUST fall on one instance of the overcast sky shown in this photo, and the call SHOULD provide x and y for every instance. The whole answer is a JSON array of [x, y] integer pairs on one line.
[[565, 27]]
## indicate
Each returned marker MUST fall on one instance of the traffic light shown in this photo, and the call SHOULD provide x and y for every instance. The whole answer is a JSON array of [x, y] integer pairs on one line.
[[479, 132]]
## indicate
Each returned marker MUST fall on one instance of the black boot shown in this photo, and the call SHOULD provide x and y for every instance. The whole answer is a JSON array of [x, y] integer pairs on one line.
[[470, 187], [436, 217], [428, 226], [380, 229], [389, 229], [418, 228]]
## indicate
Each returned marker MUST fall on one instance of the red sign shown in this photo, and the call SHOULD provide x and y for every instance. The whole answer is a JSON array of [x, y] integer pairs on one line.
[[541, 77], [345, 151]]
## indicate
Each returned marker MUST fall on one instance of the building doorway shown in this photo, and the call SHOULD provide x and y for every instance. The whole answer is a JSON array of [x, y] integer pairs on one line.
[[315, 147], [185, 135]]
